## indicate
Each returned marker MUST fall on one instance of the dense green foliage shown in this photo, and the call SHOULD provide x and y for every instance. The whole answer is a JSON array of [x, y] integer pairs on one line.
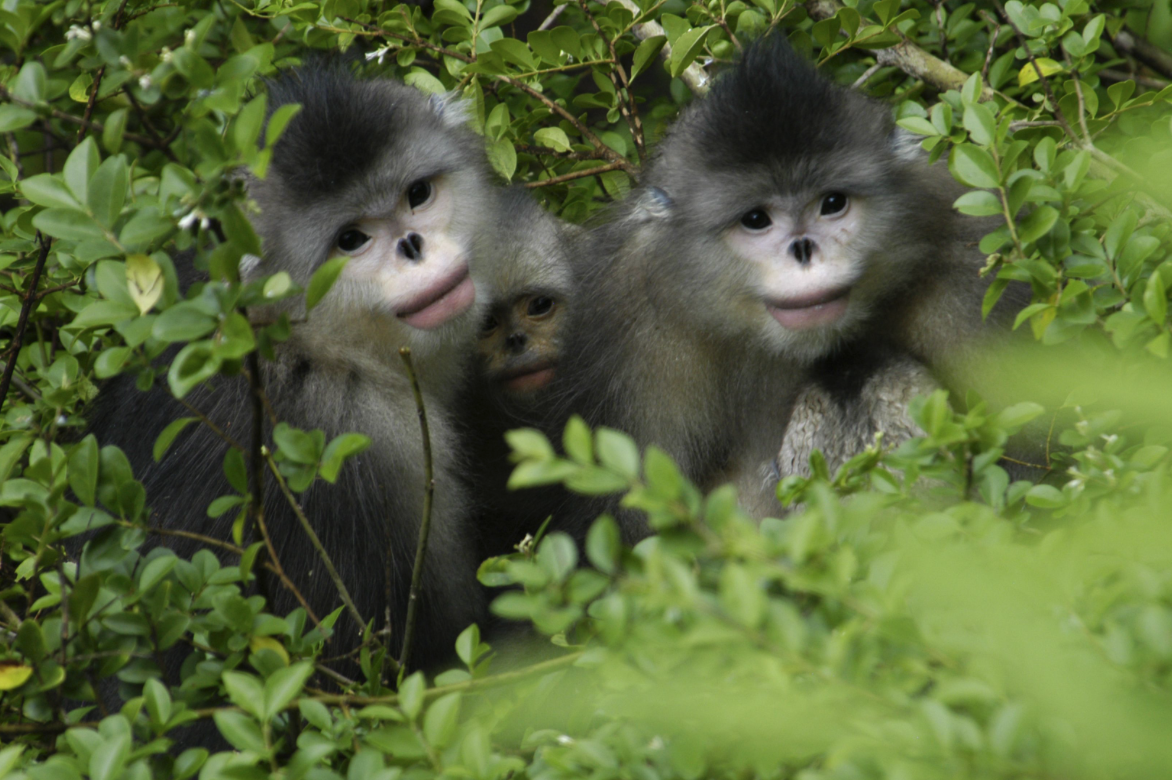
[[915, 615]]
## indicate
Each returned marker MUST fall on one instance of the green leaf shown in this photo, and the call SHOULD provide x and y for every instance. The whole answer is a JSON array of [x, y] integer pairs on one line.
[[338, 450], [189, 762], [1037, 224], [1045, 497], [973, 166], [278, 121], [167, 437], [439, 724], [114, 130], [83, 469], [48, 190], [283, 685], [411, 695], [553, 137], [107, 761], [979, 121], [80, 166], [687, 48], [246, 126], [498, 15], [503, 157], [154, 572], [646, 53], [978, 203], [1156, 299], [603, 544], [557, 555], [246, 692], [158, 700], [194, 363], [323, 279], [514, 51], [31, 82], [618, 452], [70, 224], [14, 117], [918, 125], [182, 322], [240, 730], [107, 191]]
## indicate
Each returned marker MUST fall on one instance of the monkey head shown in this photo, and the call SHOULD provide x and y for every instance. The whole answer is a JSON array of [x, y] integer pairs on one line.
[[521, 334], [519, 342], [389, 177], [807, 209]]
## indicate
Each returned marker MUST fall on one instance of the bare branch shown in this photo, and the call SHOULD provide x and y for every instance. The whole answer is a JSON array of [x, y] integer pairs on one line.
[[694, 76], [30, 298], [424, 525]]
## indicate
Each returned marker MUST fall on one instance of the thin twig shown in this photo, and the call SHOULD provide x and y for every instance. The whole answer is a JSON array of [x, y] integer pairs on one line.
[[217, 430], [163, 146], [553, 17], [867, 74], [343, 592], [30, 297], [574, 175], [425, 523], [694, 76], [618, 78], [1058, 115], [213, 542], [1149, 54], [89, 106]]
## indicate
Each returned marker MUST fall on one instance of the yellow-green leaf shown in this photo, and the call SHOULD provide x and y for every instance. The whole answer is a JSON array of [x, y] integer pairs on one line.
[[1029, 74], [144, 279], [13, 675]]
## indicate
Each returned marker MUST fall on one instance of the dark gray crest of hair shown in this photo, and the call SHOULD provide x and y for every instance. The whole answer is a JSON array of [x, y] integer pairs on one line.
[[343, 125], [774, 107]]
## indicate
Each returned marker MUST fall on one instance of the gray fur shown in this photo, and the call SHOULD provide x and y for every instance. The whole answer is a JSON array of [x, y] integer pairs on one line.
[[341, 371]]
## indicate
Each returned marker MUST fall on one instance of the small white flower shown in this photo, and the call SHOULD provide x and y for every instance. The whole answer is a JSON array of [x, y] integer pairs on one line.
[[125, 61], [1110, 439], [145, 82], [165, 54], [76, 32], [378, 54], [656, 743], [565, 739], [96, 25], [188, 220], [1082, 426], [189, 37]]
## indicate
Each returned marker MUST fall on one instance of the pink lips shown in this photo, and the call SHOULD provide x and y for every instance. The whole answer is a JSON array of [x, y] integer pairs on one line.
[[443, 301], [530, 378], [810, 311]]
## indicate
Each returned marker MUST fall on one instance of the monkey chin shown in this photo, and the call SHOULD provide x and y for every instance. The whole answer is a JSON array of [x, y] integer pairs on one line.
[[445, 300], [811, 311], [527, 380]]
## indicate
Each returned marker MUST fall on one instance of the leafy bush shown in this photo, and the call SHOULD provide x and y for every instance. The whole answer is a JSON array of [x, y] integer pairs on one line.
[[916, 614]]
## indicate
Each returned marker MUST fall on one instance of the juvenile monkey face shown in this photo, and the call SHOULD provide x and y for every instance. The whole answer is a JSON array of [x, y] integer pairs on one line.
[[519, 343], [410, 260]]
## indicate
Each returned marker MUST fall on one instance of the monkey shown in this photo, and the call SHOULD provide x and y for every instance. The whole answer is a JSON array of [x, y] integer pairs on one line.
[[391, 178], [521, 336], [781, 220], [520, 348]]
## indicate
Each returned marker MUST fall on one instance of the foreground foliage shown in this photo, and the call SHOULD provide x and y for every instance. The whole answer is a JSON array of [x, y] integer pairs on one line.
[[919, 613]]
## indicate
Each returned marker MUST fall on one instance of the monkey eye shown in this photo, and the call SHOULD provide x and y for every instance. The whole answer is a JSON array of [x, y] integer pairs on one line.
[[352, 239], [834, 203], [756, 219], [418, 193], [540, 306], [490, 324]]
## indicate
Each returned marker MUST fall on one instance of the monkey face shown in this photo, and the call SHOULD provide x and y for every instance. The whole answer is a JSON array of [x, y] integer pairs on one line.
[[519, 343], [409, 259], [808, 259]]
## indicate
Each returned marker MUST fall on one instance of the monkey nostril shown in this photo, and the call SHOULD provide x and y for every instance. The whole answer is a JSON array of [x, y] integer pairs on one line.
[[802, 249], [411, 247], [516, 342]]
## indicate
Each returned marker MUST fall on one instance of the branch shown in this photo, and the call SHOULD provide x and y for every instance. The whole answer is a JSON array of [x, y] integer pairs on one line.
[[162, 146], [425, 524], [316, 542], [571, 176], [694, 76], [30, 297], [1153, 56], [906, 56]]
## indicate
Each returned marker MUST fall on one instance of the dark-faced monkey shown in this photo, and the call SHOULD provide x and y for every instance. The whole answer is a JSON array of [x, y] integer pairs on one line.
[[390, 177], [782, 220], [521, 337]]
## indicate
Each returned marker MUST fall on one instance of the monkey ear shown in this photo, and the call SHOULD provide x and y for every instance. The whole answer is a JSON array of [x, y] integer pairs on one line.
[[906, 145], [452, 109], [652, 203]]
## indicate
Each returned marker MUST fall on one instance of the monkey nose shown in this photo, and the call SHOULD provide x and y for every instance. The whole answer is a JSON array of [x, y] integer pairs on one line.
[[802, 249], [516, 341], [411, 247]]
